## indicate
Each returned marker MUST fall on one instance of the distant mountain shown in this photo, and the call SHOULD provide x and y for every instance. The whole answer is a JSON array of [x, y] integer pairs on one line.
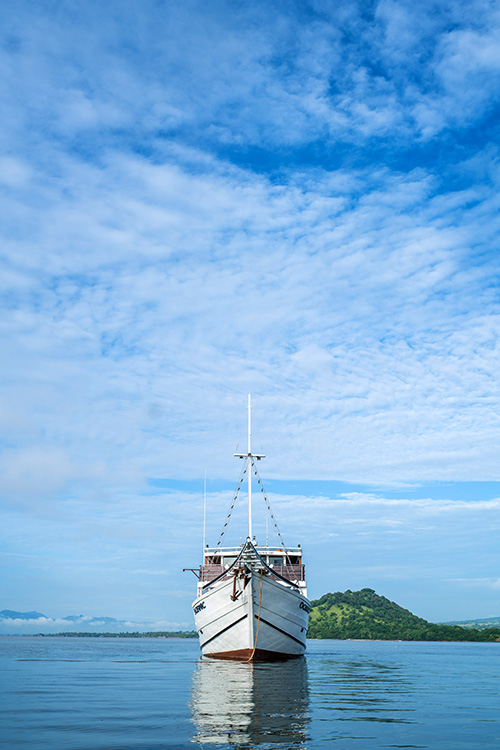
[[366, 615], [485, 622], [9, 614], [90, 620], [30, 623]]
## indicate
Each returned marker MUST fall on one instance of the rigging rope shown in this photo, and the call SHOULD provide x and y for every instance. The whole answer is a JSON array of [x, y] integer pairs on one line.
[[238, 487], [268, 504], [259, 482], [250, 658]]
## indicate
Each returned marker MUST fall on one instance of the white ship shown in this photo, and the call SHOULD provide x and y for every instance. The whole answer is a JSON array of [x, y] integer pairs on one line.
[[252, 600]]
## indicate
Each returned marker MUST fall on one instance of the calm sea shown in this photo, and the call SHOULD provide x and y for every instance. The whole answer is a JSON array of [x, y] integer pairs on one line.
[[151, 694]]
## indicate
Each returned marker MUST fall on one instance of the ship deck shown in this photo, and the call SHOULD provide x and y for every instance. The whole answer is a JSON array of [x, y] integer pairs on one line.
[[285, 562]]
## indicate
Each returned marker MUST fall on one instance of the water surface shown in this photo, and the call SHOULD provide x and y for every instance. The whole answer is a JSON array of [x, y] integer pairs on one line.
[[157, 694]]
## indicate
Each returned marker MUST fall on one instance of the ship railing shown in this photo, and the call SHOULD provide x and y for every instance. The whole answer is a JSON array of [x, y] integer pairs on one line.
[[290, 572], [210, 572], [261, 549]]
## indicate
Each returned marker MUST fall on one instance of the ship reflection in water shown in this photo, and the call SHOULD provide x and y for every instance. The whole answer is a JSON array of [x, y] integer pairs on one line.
[[258, 703]]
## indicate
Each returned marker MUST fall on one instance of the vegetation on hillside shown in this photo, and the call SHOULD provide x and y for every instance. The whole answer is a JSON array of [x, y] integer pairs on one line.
[[366, 615]]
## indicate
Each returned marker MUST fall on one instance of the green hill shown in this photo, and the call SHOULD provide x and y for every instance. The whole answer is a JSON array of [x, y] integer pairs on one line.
[[366, 615]]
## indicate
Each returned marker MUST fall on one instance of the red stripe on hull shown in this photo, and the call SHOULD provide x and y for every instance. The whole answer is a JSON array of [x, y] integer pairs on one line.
[[247, 654]]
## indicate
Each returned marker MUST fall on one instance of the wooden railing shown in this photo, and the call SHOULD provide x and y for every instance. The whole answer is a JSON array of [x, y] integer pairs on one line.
[[290, 572], [209, 572]]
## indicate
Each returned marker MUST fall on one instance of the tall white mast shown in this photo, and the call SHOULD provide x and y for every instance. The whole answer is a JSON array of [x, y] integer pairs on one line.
[[249, 468], [204, 512], [249, 455]]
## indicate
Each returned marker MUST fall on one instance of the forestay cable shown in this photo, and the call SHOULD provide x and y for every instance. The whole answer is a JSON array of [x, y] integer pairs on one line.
[[238, 487], [268, 504]]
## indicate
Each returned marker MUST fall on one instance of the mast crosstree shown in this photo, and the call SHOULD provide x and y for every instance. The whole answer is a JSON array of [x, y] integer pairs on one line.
[[249, 455]]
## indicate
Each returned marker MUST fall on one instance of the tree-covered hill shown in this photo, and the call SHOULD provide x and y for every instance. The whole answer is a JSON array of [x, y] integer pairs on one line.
[[366, 615]]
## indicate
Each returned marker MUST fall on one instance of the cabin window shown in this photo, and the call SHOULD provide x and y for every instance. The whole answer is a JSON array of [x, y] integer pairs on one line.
[[275, 561], [228, 560], [212, 560]]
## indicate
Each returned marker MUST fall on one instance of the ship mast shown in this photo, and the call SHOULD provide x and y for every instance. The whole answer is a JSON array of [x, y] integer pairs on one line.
[[249, 468], [249, 455]]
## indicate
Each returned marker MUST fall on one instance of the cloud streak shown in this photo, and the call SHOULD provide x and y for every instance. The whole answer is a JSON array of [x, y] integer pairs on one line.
[[383, 321]]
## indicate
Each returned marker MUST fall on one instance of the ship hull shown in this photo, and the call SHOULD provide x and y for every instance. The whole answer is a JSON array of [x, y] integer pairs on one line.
[[252, 618]]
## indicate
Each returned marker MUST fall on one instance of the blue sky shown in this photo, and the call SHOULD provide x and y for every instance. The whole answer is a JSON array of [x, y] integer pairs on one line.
[[297, 200]]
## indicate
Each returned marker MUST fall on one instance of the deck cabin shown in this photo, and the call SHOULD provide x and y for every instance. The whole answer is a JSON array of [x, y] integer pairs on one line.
[[285, 562]]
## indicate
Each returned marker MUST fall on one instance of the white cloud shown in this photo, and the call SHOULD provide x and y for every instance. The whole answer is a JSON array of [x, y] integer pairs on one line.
[[378, 320], [489, 582], [258, 77], [39, 472]]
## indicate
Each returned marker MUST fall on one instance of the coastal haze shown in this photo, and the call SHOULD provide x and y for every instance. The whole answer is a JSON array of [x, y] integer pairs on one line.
[[36, 623], [204, 200]]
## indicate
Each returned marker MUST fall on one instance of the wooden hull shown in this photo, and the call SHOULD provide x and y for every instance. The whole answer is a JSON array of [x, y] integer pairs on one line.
[[250, 654]]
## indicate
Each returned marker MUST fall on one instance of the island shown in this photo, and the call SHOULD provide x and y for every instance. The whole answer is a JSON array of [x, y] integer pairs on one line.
[[365, 615]]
